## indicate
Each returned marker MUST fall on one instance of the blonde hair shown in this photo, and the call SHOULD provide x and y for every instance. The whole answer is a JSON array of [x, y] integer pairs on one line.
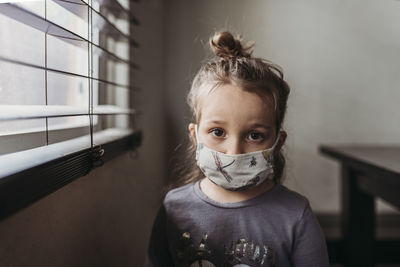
[[236, 66]]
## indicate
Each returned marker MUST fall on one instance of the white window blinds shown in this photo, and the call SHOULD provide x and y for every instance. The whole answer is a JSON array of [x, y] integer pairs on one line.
[[65, 92]]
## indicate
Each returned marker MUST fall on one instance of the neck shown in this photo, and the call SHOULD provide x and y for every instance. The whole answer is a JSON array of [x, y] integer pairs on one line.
[[222, 195]]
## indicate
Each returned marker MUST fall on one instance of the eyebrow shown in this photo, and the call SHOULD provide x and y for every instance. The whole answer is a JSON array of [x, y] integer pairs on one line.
[[256, 125], [216, 121]]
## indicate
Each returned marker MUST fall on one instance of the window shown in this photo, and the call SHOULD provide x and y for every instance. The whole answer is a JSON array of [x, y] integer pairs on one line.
[[65, 92]]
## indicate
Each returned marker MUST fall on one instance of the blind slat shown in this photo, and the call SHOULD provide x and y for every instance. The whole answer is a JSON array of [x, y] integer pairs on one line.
[[33, 20], [98, 50], [77, 7], [118, 10], [110, 29], [80, 9], [19, 161], [133, 88], [22, 112]]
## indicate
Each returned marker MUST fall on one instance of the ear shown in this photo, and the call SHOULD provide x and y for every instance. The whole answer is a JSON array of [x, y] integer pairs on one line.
[[192, 132], [281, 141]]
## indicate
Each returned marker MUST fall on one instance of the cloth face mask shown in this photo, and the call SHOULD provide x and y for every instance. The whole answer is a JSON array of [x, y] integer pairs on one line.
[[235, 172]]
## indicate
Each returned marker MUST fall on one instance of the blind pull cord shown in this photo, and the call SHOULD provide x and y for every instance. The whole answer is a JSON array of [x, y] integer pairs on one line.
[[96, 155]]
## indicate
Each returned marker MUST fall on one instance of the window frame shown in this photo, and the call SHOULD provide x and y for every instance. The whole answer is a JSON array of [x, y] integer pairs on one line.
[[22, 188]]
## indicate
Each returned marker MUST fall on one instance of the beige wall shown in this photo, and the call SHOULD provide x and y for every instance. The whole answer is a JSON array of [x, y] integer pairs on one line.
[[104, 218], [340, 57]]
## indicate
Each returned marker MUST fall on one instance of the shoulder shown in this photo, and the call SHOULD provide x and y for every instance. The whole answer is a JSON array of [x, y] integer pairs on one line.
[[179, 196], [291, 196], [291, 202]]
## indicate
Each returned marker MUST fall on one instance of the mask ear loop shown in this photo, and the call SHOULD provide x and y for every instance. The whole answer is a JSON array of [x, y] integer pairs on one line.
[[272, 148], [197, 141], [196, 133], [276, 141]]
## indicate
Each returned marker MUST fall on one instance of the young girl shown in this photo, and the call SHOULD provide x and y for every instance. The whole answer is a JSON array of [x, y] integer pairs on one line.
[[233, 210]]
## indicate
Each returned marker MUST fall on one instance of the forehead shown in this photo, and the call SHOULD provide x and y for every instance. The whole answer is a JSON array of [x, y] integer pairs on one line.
[[231, 103]]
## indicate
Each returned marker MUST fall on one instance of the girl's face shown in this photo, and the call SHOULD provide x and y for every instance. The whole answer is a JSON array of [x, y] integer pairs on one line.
[[234, 121]]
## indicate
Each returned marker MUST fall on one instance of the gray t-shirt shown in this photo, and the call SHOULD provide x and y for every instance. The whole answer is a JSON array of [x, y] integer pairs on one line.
[[276, 228]]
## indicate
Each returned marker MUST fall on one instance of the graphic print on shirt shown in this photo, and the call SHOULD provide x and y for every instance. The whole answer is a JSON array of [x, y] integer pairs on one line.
[[188, 254], [221, 168], [235, 254]]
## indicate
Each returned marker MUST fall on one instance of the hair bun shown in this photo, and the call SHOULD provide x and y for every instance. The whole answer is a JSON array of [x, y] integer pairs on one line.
[[225, 45]]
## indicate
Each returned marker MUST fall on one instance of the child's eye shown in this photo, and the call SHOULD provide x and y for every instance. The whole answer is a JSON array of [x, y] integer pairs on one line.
[[255, 136], [218, 132]]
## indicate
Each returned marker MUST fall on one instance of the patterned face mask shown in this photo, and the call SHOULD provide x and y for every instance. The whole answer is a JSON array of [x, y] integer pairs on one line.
[[235, 172]]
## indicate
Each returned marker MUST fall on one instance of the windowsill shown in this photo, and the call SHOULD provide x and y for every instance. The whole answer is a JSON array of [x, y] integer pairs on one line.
[[19, 161]]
